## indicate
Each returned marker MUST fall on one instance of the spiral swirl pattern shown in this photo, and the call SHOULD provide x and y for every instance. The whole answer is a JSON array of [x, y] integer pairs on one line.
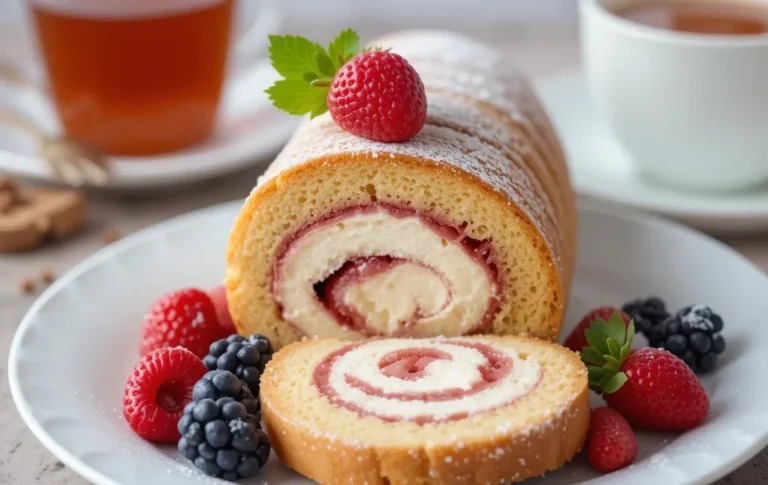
[[425, 381]]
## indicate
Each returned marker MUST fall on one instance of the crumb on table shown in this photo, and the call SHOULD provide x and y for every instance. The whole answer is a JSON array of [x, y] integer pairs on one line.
[[111, 234], [47, 275], [27, 286]]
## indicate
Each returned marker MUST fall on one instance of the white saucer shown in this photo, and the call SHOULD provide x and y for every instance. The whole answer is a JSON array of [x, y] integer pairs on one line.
[[602, 169], [249, 130], [75, 348]]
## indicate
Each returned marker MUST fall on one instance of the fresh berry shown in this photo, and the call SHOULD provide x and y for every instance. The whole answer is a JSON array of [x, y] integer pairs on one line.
[[246, 358], [369, 92], [219, 298], [694, 335], [184, 318], [646, 313], [577, 340], [378, 95], [217, 384], [611, 443], [650, 387], [222, 440], [158, 389]]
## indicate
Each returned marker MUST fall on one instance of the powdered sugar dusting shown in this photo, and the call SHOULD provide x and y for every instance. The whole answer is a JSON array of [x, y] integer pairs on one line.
[[460, 135]]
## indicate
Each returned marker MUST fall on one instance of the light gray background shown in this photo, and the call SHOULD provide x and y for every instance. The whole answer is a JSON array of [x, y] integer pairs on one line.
[[538, 34]]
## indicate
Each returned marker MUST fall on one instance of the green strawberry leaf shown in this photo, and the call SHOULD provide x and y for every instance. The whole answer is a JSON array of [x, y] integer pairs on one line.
[[592, 356], [293, 56], [613, 383], [613, 347], [343, 48], [296, 97], [596, 338], [615, 328], [609, 346]]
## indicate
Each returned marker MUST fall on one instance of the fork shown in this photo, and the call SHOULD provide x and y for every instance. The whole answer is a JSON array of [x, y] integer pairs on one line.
[[70, 161]]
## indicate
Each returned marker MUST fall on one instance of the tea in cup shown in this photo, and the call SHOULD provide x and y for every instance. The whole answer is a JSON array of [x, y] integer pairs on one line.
[[682, 84], [136, 77]]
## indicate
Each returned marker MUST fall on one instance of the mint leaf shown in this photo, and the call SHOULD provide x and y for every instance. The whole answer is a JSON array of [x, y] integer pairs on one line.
[[293, 56], [343, 48], [325, 65], [296, 97]]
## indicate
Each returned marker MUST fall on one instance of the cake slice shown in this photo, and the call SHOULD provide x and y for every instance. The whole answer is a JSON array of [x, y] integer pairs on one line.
[[438, 411]]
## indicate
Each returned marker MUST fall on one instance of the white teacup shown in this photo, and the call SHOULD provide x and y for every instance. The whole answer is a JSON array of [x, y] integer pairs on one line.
[[691, 109]]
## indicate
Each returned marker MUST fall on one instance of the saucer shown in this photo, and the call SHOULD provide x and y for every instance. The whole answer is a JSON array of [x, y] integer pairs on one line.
[[250, 129], [602, 170]]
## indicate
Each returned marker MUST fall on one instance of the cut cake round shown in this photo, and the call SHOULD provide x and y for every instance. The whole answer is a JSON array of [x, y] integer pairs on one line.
[[439, 411]]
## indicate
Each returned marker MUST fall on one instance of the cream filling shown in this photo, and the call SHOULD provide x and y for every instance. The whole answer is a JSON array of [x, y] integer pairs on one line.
[[450, 287], [397, 295], [462, 372]]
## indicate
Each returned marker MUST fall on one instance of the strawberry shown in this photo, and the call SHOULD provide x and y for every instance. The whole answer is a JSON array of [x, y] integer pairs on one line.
[[651, 388], [371, 93], [184, 318], [380, 96], [577, 340], [157, 391], [219, 298], [611, 444]]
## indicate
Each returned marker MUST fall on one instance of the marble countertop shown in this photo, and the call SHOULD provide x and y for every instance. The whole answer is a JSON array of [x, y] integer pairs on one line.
[[24, 461]]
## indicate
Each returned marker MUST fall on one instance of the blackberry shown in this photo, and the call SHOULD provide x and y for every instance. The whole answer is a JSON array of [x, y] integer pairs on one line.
[[218, 384], [222, 439], [693, 334], [646, 313], [245, 357]]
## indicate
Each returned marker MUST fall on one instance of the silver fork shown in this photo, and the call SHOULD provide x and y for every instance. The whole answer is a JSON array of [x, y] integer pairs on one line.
[[70, 161]]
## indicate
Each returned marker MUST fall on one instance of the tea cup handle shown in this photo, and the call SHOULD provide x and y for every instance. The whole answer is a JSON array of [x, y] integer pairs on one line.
[[252, 28]]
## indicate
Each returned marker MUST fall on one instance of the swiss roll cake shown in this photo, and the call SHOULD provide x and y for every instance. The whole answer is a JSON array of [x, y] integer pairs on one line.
[[467, 228]]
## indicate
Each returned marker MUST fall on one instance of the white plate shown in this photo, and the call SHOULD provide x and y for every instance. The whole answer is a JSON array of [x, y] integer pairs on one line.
[[602, 169], [75, 348], [249, 129]]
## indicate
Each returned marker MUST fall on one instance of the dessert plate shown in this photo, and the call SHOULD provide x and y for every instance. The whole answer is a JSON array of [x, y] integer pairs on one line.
[[602, 170], [249, 130], [75, 348]]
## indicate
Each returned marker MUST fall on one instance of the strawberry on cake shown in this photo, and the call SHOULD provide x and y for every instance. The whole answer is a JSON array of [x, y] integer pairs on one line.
[[467, 227], [425, 411]]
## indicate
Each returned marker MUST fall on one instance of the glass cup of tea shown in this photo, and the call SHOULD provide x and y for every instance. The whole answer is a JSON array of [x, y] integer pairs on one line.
[[144, 77]]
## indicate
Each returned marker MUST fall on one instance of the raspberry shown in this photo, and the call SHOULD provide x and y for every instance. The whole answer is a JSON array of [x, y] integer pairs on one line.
[[184, 318], [158, 389], [219, 298], [379, 96]]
